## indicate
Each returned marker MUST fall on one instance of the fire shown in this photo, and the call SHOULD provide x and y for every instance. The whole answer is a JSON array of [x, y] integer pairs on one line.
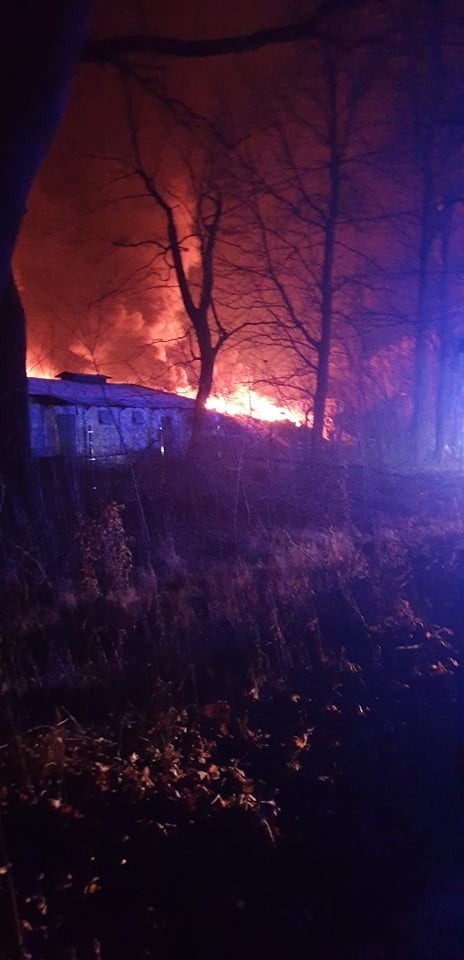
[[244, 402], [39, 368]]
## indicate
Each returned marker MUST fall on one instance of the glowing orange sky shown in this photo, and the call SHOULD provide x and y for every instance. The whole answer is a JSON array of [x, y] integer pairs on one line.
[[85, 308]]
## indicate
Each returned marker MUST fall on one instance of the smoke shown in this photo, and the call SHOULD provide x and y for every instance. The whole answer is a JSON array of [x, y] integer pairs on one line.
[[94, 305], [128, 345]]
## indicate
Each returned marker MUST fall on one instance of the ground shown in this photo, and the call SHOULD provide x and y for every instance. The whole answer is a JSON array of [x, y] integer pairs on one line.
[[256, 752]]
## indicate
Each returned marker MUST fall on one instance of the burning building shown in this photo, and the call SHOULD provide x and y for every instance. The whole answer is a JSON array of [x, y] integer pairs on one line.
[[85, 416]]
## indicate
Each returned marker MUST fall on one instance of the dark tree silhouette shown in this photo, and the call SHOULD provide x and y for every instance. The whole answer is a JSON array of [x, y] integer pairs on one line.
[[39, 49], [312, 213], [198, 295]]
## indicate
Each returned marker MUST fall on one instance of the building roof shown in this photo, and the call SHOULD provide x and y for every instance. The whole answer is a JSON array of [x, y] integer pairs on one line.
[[83, 377], [104, 394]]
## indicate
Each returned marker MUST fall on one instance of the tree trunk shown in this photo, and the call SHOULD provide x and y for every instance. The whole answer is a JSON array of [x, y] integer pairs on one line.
[[40, 44], [39, 48], [443, 400], [428, 92], [322, 378], [205, 383], [421, 364], [14, 413]]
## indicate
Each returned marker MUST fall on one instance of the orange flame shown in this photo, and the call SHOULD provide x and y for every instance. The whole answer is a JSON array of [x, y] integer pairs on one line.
[[40, 368], [244, 402]]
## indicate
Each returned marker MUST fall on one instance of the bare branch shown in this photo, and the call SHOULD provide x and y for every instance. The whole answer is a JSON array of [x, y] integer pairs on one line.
[[111, 49]]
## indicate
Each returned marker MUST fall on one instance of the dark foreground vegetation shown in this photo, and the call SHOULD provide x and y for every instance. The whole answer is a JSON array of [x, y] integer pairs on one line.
[[232, 715]]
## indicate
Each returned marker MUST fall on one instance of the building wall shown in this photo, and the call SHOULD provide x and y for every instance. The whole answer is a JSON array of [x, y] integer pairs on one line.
[[104, 431]]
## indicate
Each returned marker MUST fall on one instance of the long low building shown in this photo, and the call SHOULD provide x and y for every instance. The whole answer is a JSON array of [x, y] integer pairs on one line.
[[82, 415]]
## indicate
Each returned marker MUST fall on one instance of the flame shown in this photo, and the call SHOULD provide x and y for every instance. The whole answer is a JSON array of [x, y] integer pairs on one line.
[[244, 402], [41, 369]]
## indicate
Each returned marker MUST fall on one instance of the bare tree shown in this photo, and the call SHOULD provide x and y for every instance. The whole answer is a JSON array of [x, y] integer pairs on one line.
[[316, 214], [430, 154], [189, 236]]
